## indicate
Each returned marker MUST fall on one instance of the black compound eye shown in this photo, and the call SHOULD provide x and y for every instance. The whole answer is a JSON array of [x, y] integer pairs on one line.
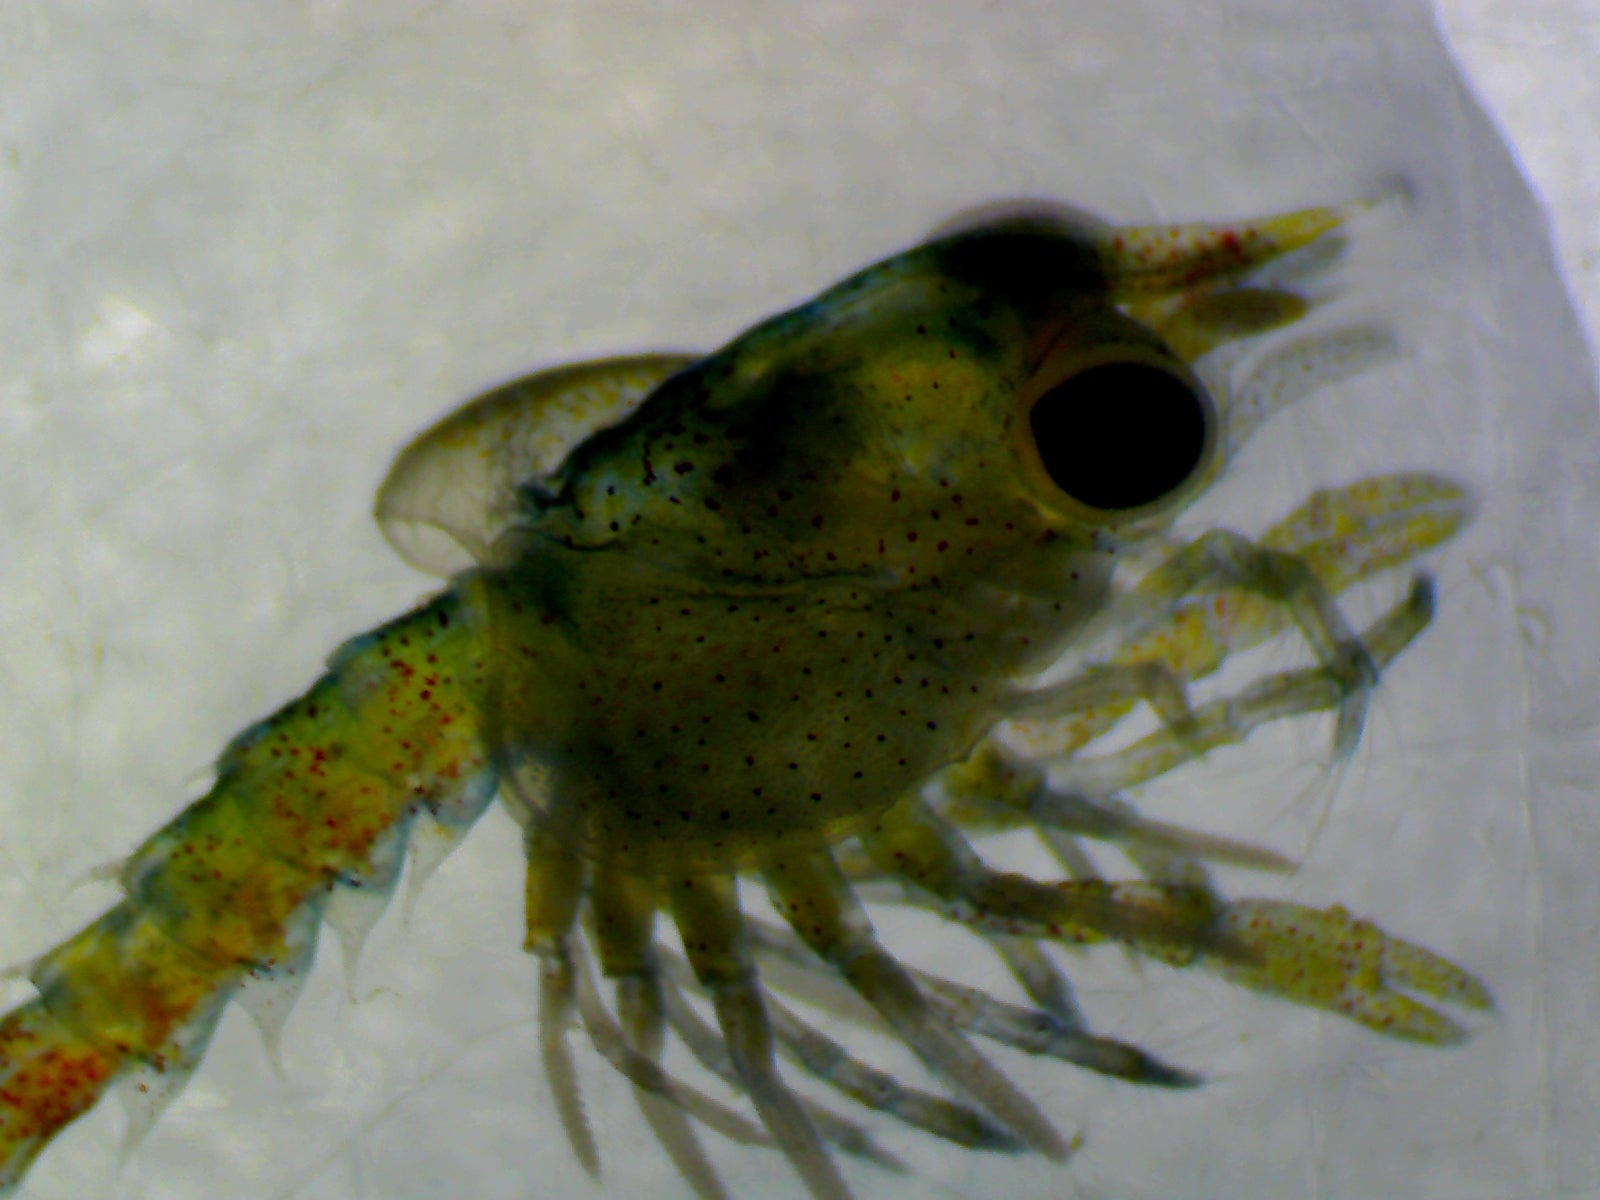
[[1121, 435]]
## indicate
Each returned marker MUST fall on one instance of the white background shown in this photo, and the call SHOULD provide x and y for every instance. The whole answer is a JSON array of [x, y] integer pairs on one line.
[[248, 250]]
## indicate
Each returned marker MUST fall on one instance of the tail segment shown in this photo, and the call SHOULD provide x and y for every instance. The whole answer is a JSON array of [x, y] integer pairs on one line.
[[321, 794]]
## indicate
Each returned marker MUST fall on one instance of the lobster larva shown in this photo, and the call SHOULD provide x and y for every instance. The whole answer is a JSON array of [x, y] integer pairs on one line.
[[813, 613]]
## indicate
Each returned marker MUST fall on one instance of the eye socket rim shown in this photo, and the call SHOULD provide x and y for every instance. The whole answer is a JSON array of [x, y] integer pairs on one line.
[[1152, 354]]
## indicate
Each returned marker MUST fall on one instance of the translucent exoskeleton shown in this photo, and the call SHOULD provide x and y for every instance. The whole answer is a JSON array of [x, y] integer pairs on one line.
[[813, 615]]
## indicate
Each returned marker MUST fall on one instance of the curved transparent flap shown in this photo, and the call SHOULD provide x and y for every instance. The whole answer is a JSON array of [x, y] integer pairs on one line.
[[455, 489]]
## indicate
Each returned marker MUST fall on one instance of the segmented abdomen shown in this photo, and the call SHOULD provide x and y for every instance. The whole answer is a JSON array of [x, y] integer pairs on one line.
[[319, 795]]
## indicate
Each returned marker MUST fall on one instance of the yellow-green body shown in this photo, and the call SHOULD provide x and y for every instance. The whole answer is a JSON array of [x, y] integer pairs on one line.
[[309, 799], [782, 613], [807, 574]]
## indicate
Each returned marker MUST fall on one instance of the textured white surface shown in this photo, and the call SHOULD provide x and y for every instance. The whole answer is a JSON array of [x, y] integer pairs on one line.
[[247, 252], [1532, 65]]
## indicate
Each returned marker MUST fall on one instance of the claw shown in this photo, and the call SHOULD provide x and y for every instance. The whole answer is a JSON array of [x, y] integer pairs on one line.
[[1326, 958]]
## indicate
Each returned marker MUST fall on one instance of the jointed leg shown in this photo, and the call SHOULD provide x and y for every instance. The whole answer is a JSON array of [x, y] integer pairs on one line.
[[1223, 558], [996, 780], [994, 787], [622, 914], [1110, 685], [916, 845], [647, 1074], [555, 888], [1321, 958], [1343, 535], [816, 901], [1040, 978], [835, 1066], [970, 1010], [706, 910], [1232, 719], [555, 884]]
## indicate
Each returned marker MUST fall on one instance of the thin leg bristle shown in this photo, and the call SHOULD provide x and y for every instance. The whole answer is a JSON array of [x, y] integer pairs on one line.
[[556, 1007], [838, 931], [711, 1051], [639, 1008], [707, 913]]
